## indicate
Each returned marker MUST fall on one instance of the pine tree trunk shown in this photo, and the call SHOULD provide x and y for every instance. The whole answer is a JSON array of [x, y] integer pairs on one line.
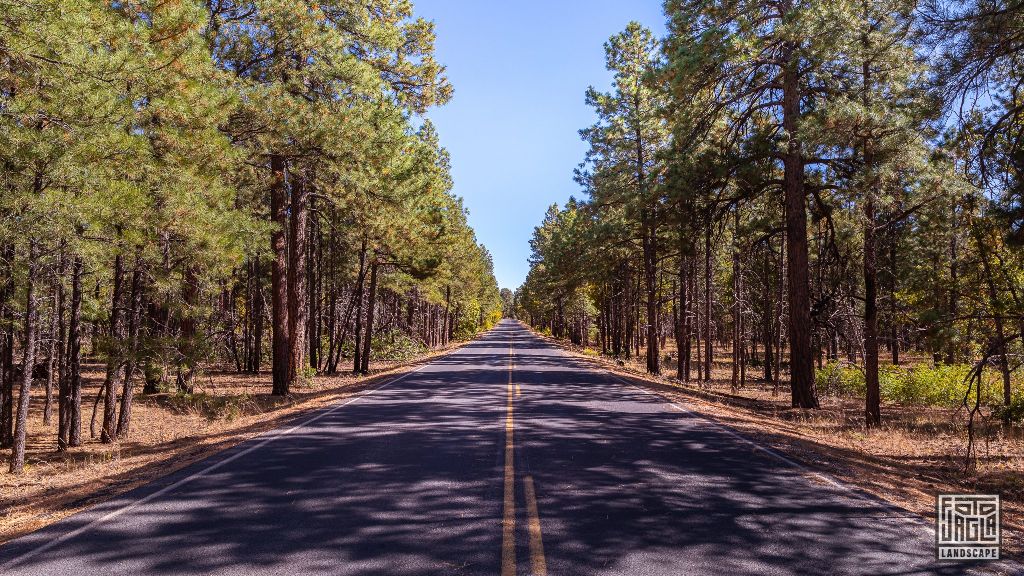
[[314, 274], [279, 277], [679, 319], [872, 410], [357, 352], [124, 417], [769, 315], [370, 309], [28, 360], [52, 347], [188, 345], [115, 360], [736, 322], [780, 334], [332, 328], [709, 349], [7, 352], [74, 432], [894, 347], [255, 360], [801, 363], [298, 301], [873, 396], [698, 333], [445, 319], [650, 255], [688, 318], [63, 397]]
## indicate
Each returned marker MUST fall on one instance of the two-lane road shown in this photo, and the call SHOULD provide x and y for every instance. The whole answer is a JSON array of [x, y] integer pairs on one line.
[[504, 456]]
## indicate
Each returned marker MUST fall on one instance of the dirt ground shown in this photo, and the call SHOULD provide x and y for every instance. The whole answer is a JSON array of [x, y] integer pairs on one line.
[[168, 432], [919, 452]]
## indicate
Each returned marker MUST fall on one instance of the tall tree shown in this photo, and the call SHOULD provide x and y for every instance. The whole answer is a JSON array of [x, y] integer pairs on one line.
[[622, 165]]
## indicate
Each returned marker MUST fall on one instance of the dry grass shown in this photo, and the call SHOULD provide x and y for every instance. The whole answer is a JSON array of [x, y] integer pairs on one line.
[[917, 453], [169, 432]]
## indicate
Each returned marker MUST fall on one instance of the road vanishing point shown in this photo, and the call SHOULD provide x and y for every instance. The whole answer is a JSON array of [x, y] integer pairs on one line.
[[507, 456]]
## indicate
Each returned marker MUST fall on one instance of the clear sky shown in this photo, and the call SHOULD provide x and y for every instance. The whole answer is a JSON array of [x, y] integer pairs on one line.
[[520, 71]]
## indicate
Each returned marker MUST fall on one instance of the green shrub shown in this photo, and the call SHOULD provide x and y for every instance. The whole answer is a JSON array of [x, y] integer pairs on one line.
[[840, 379], [396, 345], [1013, 414], [212, 407], [941, 385]]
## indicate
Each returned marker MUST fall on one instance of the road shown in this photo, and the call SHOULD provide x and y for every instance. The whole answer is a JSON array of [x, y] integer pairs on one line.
[[504, 457]]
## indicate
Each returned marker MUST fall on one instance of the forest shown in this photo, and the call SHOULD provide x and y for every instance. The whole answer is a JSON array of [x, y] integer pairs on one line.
[[249, 186], [815, 195]]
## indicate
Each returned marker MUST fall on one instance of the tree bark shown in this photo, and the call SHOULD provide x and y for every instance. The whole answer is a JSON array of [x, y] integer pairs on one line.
[[115, 359], [281, 347], [737, 342], [894, 331], [63, 397], [801, 364], [7, 352], [256, 353], [872, 409], [680, 315], [74, 432], [769, 315], [709, 349], [370, 308], [53, 347], [298, 301], [124, 417], [357, 352], [189, 331], [28, 361], [650, 255]]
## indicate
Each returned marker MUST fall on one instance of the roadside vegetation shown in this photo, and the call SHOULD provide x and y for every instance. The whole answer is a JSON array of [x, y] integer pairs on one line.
[[815, 205]]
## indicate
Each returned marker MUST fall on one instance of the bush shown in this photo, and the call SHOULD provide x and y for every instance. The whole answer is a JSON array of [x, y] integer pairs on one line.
[[396, 345], [840, 379], [212, 407], [941, 385], [1013, 414]]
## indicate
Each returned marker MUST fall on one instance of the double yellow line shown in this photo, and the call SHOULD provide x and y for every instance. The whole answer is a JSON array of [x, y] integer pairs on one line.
[[538, 565]]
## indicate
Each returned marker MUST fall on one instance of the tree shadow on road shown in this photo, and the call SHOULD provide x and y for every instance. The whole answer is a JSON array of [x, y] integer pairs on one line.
[[409, 481]]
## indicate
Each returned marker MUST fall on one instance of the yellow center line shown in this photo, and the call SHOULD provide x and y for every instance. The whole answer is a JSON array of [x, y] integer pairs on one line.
[[538, 565], [508, 522]]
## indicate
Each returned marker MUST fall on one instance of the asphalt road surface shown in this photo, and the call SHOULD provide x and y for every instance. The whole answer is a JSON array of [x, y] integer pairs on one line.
[[504, 457]]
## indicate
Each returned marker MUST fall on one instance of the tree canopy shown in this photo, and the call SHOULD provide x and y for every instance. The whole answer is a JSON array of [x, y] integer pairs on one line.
[[795, 184], [249, 184]]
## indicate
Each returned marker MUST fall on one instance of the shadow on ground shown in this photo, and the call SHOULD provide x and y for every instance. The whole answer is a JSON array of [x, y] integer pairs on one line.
[[408, 480]]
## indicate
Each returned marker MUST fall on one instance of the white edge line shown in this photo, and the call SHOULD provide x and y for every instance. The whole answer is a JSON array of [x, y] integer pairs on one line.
[[129, 507], [852, 491]]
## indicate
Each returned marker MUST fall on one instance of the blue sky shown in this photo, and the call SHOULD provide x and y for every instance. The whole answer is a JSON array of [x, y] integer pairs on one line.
[[520, 71]]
